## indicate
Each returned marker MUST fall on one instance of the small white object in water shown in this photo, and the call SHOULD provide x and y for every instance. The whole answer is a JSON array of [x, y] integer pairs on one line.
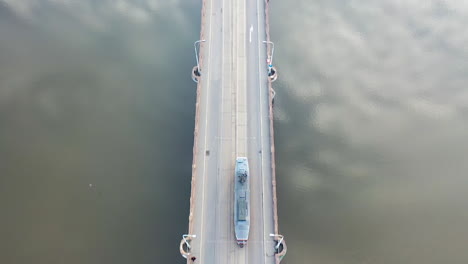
[[90, 185]]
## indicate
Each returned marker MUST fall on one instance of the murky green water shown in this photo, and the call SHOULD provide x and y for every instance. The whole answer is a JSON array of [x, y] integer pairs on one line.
[[372, 130], [96, 130]]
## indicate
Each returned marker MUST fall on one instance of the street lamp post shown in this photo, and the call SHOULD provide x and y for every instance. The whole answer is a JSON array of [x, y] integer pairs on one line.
[[196, 53], [184, 237], [279, 242], [270, 59]]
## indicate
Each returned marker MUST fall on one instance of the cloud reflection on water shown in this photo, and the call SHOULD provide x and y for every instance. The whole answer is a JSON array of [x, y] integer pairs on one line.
[[95, 93], [372, 130]]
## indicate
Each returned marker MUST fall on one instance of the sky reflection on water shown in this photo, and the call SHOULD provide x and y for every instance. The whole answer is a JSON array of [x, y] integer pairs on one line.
[[96, 117], [371, 130]]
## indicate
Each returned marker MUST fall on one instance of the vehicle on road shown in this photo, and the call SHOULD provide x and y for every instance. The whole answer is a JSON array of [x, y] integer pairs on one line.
[[241, 201]]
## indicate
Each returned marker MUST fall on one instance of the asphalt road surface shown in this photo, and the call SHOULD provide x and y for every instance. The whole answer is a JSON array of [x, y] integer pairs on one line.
[[233, 122]]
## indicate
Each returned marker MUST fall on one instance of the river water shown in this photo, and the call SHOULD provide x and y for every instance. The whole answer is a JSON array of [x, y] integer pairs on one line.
[[96, 130]]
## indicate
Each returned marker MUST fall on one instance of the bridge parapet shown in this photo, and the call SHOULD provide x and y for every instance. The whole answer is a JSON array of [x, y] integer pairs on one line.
[[279, 255]]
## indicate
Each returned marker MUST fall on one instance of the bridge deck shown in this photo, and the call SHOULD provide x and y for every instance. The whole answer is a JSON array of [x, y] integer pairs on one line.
[[233, 118]]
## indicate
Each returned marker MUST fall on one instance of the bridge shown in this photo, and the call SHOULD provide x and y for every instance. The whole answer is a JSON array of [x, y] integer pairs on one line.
[[234, 118]]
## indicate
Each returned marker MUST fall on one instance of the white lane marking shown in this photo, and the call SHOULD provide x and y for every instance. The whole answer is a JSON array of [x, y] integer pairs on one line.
[[250, 36], [206, 125]]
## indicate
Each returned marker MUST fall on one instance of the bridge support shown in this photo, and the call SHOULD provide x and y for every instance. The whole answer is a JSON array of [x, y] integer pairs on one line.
[[196, 74], [273, 93], [280, 247], [184, 246], [273, 74]]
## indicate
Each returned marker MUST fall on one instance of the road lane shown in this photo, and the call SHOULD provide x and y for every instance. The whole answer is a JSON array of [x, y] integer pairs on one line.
[[259, 131]]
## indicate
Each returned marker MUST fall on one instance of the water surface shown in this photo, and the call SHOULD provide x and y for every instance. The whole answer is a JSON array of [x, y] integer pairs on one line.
[[96, 129], [372, 130]]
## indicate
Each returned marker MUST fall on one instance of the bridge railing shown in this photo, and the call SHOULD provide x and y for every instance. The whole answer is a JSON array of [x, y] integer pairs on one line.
[[281, 254], [193, 192]]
